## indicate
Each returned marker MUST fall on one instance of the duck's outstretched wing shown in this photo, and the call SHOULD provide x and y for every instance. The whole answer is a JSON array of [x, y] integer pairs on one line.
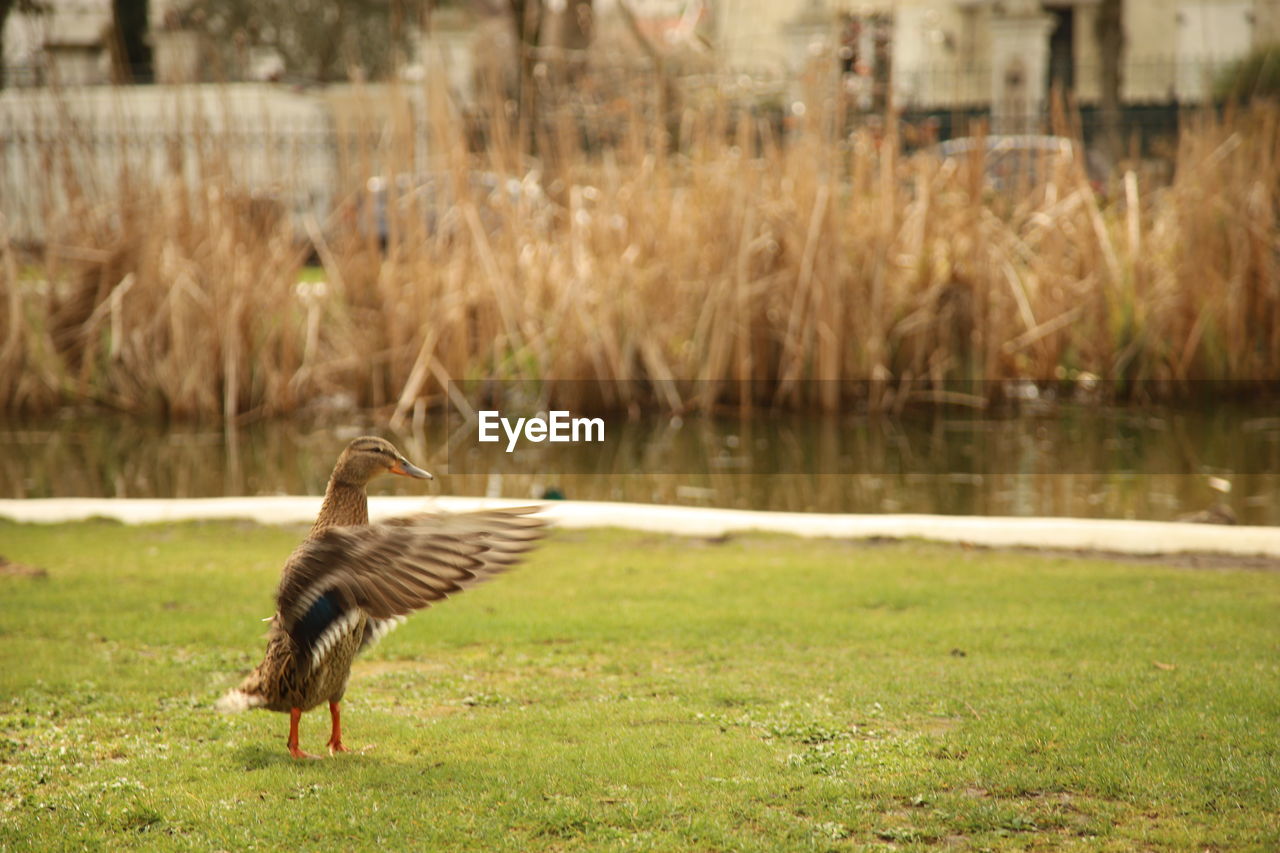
[[391, 569]]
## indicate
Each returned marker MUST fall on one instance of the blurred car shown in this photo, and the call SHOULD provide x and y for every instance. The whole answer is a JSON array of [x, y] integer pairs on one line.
[[389, 202], [1013, 162]]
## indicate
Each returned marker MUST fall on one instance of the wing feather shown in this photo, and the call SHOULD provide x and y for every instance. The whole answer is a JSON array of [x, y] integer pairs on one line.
[[390, 569]]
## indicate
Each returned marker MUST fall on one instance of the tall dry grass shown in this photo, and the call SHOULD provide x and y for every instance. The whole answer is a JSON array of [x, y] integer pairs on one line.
[[735, 260]]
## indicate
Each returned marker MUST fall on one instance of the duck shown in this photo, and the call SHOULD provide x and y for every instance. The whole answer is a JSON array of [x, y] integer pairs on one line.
[[349, 582]]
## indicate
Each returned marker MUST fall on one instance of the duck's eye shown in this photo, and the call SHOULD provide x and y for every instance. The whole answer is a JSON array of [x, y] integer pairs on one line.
[[375, 448]]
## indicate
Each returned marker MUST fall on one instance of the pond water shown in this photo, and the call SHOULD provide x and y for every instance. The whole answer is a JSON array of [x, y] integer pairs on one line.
[[1156, 464]]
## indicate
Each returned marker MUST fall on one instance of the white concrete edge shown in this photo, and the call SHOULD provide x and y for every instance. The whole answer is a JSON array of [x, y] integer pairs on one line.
[[1130, 537]]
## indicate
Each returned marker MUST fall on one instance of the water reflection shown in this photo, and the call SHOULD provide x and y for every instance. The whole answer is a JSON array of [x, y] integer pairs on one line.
[[1077, 462]]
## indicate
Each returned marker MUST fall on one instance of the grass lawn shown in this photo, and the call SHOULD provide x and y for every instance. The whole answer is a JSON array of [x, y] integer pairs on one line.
[[635, 691]]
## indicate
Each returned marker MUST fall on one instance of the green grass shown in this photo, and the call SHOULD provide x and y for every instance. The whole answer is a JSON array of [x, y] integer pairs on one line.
[[628, 691]]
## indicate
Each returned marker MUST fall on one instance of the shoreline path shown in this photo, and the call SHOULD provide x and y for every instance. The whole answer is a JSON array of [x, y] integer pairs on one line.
[[1105, 535]]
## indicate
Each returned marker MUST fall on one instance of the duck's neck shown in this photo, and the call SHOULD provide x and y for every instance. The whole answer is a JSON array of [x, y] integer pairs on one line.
[[344, 504]]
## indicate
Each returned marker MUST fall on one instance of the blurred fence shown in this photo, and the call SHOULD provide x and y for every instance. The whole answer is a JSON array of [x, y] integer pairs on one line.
[[306, 151], [1164, 80], [1147, 130], [301, 152]]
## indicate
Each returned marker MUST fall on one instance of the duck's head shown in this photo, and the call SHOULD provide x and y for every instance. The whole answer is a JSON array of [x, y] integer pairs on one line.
[[368, 456]]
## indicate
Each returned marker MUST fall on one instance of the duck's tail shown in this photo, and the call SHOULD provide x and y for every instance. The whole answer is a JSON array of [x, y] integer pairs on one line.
[[237, 700]]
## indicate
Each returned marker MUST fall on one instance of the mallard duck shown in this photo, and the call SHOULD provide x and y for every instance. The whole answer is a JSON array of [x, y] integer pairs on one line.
[[350, 582]]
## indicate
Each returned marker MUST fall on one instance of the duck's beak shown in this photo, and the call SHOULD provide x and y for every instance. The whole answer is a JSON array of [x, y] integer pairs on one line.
[[405, 468]]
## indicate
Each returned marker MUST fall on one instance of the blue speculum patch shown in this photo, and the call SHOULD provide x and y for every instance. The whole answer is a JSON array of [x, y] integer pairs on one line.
[[318, 617]]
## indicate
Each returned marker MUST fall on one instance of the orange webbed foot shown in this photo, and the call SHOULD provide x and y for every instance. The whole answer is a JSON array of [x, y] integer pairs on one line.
[[294, 715], [298, 753]]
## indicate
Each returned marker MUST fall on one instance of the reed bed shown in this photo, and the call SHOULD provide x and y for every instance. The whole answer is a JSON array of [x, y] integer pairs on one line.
[[696, 263]]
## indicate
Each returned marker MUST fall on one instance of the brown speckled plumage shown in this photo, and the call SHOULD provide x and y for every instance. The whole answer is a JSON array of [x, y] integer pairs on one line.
[[349, 582]]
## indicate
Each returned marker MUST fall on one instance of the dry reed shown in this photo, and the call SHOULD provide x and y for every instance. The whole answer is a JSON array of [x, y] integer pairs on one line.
[[739, 266]]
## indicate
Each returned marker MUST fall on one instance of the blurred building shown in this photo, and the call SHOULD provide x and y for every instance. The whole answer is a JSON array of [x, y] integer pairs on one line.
[[69, 43], [939, 62], [1002, 56], [939, 52], [956, 53]]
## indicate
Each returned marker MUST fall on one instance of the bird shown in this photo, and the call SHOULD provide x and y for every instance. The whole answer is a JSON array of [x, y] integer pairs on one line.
[[350, 582]]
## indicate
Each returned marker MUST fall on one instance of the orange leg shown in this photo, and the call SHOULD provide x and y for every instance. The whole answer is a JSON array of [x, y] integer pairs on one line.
[[335, 737], [294, 715]]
